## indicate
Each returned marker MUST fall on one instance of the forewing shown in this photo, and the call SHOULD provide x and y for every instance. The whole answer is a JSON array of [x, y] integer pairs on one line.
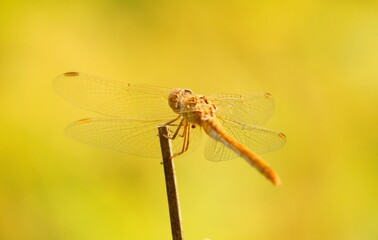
[[257, 139], [253, 109], [113, 98]]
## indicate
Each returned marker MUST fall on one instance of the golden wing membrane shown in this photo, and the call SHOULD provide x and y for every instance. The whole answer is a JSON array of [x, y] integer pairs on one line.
[[131, 136], [252, 109], [114, 98], [257, 139]]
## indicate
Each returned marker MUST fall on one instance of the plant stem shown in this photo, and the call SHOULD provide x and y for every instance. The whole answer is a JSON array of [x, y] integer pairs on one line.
[[170, 182]]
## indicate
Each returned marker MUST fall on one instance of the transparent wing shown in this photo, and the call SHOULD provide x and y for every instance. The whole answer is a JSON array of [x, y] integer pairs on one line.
[[112, 98], [134, 137], [257, 139], [254, 109]]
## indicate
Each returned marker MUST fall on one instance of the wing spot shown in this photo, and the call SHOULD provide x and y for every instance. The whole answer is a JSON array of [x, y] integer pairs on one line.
[[268, 95], [85, 120], [71, 74], [282, 135]]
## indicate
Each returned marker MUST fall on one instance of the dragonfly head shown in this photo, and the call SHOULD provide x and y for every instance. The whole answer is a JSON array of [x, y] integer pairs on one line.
[[176, 97]]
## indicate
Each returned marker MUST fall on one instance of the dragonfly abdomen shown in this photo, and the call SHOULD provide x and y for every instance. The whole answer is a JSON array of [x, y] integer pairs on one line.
[[214, 129]]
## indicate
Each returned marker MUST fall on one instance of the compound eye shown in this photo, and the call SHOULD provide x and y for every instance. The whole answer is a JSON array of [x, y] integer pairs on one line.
[[188, 91]]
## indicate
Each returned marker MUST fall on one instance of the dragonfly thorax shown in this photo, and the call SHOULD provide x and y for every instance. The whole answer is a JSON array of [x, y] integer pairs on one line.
[[195, 108]]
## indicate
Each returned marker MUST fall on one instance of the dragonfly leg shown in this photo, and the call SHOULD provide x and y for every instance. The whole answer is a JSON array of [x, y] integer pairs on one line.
[[185, 144], [171, 121], [187, 137], [178, 129]]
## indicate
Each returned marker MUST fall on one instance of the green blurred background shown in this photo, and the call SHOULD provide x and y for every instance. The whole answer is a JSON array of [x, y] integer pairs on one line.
[[317, 58]]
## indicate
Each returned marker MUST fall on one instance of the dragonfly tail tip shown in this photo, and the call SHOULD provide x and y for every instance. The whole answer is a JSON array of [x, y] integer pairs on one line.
[[272, 176], [276, 180]]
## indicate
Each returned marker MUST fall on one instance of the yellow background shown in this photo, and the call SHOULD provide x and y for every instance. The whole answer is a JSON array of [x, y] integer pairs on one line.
[[317, 58]]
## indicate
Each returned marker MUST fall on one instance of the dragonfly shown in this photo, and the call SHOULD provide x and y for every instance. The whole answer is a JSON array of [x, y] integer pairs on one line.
[[131, 114]]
